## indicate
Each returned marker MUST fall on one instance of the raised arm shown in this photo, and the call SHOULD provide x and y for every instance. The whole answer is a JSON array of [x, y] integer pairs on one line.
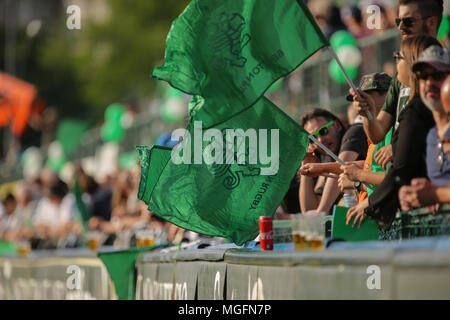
[[376, 128]]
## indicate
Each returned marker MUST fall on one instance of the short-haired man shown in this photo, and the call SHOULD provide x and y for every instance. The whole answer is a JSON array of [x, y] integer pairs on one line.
[[329, 130], [354, 146], [414, 17]]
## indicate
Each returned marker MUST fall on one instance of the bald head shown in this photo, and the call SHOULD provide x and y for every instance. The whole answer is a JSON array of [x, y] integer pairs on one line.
[[445, 94]]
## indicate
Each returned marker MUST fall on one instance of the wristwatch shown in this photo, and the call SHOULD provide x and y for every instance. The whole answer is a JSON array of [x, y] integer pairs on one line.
[[357, 185]]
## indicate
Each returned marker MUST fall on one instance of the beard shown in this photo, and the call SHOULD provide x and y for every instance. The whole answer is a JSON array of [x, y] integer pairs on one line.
[[408, 32], [424, 29], [433, 105]]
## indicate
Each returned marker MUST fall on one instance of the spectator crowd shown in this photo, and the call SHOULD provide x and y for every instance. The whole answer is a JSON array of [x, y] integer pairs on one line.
[[396, 159], [52, 213]]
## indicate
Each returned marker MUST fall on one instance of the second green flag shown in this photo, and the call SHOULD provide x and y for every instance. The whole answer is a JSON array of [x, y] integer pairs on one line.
[[225, 199]]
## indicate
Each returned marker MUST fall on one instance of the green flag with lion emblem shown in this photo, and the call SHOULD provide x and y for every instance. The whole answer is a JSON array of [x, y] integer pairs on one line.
[[230, 51]]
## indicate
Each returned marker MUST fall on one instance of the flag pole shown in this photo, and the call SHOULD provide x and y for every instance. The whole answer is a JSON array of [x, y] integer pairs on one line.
[[349, 81], [329, 152]]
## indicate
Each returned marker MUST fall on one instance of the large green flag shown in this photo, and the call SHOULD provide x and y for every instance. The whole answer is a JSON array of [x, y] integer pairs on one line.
[[195, 191], [230, 51]]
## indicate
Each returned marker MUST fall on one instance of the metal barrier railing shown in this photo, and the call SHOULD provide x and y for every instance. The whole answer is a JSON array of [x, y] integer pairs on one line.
[[419, 223], [308, 87]]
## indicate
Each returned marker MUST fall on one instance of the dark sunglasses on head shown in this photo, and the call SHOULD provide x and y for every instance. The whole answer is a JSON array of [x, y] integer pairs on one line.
[[408, 22], [323, 131], [436, 75]]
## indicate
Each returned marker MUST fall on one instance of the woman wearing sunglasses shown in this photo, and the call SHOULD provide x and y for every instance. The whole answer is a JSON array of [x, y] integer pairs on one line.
[[408, 141]]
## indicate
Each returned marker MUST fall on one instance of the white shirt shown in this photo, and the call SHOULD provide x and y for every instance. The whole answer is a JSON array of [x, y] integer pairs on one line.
[[50, 214], [9, 222]]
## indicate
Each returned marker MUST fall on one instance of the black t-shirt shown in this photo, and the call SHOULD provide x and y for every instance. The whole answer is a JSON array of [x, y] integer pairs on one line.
[[291, 202], [101, 203], [409, 152], [355, 140]]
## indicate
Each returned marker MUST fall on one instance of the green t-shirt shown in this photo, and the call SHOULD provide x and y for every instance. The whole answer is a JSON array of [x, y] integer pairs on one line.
[[375, 166], [396, 99]]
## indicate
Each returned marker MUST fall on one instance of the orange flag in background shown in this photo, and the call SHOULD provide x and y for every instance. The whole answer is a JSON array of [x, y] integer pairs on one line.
[[16, 98]]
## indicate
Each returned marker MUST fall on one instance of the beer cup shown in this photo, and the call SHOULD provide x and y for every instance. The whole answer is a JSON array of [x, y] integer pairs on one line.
[[299, 229], [308, 231], [145, 238], [93, 239], [139, 239], [23, 248], [315, 237]]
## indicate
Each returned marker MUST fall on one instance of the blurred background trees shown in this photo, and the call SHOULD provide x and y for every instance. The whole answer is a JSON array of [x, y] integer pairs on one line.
[[80, 72]]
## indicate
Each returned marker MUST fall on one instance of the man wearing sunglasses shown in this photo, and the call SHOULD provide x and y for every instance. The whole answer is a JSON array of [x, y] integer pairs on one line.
[[329, 130], [419, 16], [351, 146], [423, 192], [414, 17], [432, 70], [354, 146]]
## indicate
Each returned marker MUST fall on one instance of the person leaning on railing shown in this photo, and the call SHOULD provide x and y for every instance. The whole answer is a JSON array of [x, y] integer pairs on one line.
[[330, 131], [376, 85], [409, 140], [423, 192]]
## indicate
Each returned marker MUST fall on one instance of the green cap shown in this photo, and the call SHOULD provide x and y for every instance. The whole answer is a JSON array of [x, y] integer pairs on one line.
[[374, 81]]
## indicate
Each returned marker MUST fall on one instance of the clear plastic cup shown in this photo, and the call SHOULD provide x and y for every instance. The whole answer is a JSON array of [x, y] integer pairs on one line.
[[23, 247], [145, 238], [93, 239], [308, 231]]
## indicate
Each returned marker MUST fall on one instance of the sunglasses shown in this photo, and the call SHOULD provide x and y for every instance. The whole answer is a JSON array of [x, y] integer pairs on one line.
[[408, 22], [398, 56], [323, 131], [436, 75]]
